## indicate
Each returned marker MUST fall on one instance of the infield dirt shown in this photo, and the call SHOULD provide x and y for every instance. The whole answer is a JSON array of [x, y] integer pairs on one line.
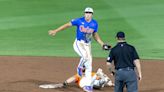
[[25, 74]]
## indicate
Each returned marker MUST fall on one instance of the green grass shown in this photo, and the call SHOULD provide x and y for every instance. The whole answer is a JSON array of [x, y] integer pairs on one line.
[[24, 26]]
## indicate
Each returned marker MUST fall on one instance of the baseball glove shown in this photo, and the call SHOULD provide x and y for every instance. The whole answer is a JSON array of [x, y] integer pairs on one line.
[[106, 47]]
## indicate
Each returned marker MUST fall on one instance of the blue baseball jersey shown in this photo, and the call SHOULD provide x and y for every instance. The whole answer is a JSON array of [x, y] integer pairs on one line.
[[84, 29]]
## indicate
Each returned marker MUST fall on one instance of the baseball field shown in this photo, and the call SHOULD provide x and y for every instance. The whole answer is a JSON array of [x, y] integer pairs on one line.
[[30, 57]]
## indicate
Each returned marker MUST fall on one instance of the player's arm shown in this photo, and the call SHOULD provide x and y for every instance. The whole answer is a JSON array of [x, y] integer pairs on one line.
[[53, 32], [138, 67], [98, 39]]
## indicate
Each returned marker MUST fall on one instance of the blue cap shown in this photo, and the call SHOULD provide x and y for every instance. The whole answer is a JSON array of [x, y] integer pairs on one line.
[[120, 35]]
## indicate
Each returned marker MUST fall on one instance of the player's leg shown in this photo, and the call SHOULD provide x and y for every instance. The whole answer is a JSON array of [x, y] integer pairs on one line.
[[101, 80], [80, 66], [84, 50], [79, 49], [108, 81], [88, 68]]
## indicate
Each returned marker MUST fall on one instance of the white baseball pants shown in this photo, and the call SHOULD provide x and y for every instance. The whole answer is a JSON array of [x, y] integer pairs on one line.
[[84, 51]]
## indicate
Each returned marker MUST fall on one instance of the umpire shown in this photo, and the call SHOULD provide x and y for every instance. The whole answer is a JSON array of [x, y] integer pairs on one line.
[[125, 60]]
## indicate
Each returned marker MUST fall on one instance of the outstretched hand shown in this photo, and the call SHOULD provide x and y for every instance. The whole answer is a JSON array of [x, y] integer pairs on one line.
[[52, 32]]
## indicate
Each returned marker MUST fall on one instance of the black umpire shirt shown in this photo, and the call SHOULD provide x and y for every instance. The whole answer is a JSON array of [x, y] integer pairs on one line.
[[123, 55]]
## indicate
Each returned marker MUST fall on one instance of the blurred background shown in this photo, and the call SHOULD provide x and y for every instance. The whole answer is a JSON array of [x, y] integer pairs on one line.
[[24, 26]]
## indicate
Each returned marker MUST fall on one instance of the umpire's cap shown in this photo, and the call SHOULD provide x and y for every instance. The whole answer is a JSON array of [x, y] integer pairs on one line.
[[120, 34]]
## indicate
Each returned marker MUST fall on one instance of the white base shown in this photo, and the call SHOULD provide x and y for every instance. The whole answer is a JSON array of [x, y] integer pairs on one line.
[[49, 86]]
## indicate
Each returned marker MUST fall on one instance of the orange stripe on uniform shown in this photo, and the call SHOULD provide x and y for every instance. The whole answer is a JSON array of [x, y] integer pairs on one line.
[[78, 78]]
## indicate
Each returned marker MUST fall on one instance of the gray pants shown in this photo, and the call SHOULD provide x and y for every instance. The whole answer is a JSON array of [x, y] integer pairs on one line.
[[126, 78]]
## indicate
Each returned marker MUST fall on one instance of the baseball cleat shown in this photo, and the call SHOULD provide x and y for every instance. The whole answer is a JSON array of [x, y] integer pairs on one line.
[[88, 89]]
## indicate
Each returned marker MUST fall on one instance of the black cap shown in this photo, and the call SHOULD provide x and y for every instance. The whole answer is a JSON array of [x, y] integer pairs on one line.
[[120, 35]]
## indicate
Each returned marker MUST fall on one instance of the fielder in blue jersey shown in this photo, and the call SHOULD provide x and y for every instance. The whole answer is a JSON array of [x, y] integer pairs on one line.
[[86, 29]]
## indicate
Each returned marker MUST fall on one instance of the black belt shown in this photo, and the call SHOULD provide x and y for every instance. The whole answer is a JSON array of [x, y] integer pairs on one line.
[[126, 68]]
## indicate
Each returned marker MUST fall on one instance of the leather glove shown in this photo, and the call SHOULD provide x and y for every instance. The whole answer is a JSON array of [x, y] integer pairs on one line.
[[106, 47]]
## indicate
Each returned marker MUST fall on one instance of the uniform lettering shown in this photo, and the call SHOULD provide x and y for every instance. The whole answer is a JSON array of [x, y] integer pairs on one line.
[[86, 30]]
